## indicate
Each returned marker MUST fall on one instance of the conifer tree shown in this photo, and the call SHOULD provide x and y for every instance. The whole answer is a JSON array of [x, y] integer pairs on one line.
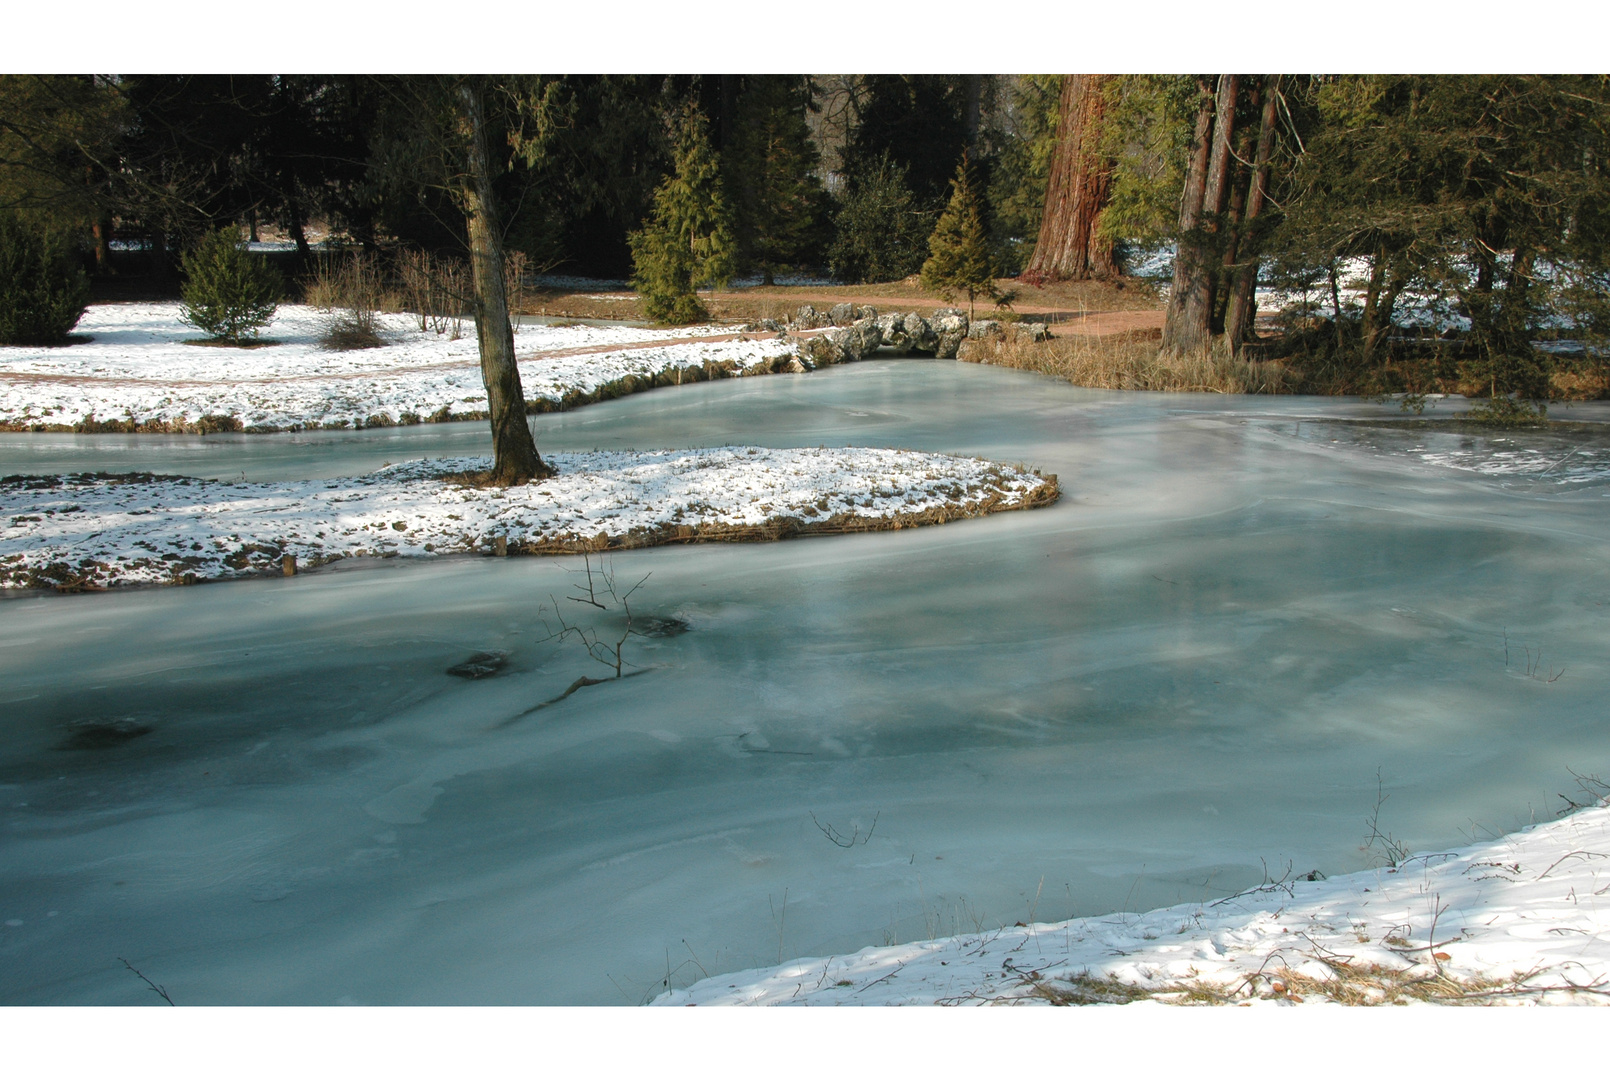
[[879, 227], [771, 167], [688, 240], [960, 259]]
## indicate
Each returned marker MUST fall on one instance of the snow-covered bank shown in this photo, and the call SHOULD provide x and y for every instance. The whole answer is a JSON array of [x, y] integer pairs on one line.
[[1524, 918], [139, 373], [105, 530]]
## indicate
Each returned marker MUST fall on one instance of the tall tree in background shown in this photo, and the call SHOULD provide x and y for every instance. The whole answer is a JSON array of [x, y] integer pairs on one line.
[[770, 166], [1071, 245], [688, 240]]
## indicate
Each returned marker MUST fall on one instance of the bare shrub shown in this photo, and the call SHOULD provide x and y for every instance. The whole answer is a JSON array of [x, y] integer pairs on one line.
[[352, 289], [435, 289]]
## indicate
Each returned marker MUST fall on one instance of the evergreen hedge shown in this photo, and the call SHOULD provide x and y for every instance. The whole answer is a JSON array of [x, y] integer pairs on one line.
[[43, 290]]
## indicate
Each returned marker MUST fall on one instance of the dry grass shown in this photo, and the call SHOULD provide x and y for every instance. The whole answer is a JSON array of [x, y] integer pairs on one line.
[[1060, 300], [1134, 362], [1345, 984]]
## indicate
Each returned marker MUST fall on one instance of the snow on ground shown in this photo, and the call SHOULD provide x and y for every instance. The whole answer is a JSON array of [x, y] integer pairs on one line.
[[1523, 918], [104, 530], [138, 367]]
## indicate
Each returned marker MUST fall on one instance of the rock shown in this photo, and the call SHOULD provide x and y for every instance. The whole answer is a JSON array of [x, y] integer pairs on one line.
[[821, 350], [892, 331], [480, 666], [796, 365], [808, 318], [842, 314], [975, 350], [1030, 332], [103, 734], [867, 312], [950, 327], [920, 334], [985, 330], [768, 326]]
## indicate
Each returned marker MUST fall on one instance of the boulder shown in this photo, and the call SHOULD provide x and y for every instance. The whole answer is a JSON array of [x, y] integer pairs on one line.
[[950, 328], [892, 331], [842, 314], [985, 330], [920, 336], [1025, 332], [821, 350], [808, 318]]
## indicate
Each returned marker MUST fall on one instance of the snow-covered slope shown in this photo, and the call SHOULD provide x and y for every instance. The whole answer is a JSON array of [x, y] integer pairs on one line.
[[1522, 918]]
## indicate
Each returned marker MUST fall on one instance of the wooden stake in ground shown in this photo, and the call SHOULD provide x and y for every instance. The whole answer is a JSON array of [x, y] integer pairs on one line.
[[1070, 246], [515, 451]]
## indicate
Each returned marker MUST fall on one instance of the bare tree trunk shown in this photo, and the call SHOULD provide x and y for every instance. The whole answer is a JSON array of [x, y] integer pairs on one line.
[[1196, 306], [1070, 246], [103, 245], [515, 451], [1243, 311], [1188, 263]]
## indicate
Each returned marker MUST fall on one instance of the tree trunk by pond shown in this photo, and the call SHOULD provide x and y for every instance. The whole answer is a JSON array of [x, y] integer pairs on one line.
[[515, 451]]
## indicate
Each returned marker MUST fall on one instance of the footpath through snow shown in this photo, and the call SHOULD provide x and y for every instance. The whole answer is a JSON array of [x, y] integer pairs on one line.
[[139, 373], [94, 531], [1524, 918]]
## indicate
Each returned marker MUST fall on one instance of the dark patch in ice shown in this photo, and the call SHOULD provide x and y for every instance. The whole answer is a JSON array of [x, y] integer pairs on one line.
[[660, 626], [103, 734], [482, 665]]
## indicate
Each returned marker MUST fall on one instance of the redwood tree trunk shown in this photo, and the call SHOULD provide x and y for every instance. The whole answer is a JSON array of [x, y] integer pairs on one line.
[[1189, 265], [515, 451], [1070, 246], [1243, 310]]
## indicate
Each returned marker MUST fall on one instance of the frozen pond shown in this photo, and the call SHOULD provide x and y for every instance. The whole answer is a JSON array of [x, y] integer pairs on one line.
[[1241, 609]]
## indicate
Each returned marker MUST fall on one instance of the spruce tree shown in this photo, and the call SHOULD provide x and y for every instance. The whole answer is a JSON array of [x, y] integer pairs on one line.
[[961, 259], [688, 240], [228, 292], [771, 167]]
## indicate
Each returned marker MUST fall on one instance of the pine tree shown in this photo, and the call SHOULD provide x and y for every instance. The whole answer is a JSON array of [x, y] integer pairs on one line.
[[771, 167], [960, 259], [688, 239]]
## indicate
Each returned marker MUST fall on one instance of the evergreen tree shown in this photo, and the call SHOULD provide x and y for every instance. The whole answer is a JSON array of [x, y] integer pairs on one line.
[[771, 168], [879, 228], [961, 259], [43, 290], [228, 292], [688, 240]]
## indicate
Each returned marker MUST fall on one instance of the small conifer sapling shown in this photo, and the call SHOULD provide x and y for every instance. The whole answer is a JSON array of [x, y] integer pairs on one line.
[[228, 293], [960, 259]]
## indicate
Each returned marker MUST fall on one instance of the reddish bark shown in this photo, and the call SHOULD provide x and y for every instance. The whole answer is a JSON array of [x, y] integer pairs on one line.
[[1070, 245]]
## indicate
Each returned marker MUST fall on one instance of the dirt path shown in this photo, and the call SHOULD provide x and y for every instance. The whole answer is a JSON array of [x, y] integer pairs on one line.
[[1063, 322]]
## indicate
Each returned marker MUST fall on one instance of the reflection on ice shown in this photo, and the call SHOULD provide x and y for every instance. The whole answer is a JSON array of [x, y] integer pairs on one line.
[[1197, 660]]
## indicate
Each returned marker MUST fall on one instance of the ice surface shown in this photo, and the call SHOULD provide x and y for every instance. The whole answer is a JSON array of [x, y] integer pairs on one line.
[[1199, 658]]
